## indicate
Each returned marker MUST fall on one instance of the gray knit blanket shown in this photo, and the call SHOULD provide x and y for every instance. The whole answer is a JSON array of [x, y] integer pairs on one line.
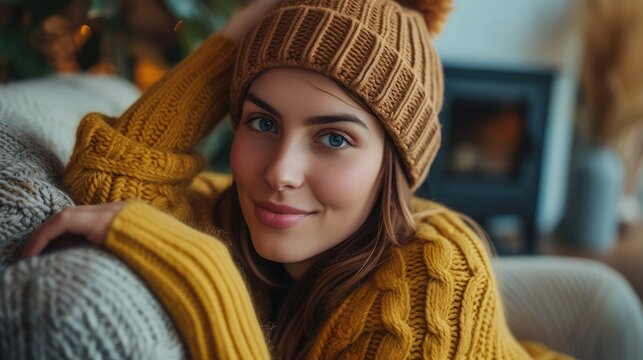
[[81, 302]]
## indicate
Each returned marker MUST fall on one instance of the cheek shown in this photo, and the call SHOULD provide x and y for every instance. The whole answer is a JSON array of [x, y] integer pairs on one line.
[[351, 181], [245, 161]]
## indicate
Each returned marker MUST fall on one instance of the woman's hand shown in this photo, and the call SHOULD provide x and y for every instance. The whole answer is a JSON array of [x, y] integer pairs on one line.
[[91, 222], [246, 18]]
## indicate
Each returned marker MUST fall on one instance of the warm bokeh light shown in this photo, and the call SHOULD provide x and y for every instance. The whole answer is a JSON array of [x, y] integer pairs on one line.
[[178, 26], [83, 34], [147, 72]]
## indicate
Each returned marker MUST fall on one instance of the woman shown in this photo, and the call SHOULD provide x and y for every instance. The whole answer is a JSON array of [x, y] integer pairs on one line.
[[335, 108]]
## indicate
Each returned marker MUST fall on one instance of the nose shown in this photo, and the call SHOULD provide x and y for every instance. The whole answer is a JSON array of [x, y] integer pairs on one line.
[[286, 168]]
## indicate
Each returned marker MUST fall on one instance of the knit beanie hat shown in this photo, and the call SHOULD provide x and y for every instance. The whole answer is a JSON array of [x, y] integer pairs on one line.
[[380, 50]]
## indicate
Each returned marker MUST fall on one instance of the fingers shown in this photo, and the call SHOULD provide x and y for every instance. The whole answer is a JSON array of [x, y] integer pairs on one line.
[[53, 227], [235, 29], [90, 221]]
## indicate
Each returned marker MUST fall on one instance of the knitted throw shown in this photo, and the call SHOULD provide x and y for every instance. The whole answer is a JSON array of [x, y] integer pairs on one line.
[[30, 188], [80, 303]]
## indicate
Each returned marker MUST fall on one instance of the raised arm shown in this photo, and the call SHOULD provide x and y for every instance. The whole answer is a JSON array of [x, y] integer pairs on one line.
[[146, 153]]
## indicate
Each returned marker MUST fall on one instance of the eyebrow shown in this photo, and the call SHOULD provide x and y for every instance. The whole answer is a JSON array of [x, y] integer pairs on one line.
[[329, 119], [261, 103], [315, 120]]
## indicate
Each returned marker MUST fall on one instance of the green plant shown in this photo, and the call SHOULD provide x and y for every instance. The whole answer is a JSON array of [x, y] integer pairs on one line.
[[23, 57], [18, 55], [200, 18]]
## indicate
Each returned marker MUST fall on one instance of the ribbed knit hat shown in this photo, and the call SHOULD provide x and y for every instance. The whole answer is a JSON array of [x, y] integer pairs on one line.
[[379, 50]]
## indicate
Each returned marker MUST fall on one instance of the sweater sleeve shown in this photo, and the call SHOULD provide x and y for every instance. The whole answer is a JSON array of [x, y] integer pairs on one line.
[[147, 152], [195, 278]]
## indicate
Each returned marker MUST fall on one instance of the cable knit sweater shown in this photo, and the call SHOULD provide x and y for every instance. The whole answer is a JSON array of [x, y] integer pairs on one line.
[[434, 298]]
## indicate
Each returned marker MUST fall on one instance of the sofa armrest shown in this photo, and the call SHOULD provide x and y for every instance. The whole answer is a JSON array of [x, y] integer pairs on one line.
[[576, 306]]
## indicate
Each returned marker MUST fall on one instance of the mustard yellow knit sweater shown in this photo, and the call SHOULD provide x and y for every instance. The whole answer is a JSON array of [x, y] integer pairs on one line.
[[435, 298]]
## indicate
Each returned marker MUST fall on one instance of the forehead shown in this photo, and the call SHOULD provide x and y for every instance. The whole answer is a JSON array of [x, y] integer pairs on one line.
[[286, 86]]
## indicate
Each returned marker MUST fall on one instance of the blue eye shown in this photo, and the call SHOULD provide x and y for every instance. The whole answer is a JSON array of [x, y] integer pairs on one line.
[[335, 141], [262, 124]]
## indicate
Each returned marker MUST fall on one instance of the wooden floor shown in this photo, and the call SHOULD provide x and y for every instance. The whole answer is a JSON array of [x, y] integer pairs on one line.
[[626, 256]]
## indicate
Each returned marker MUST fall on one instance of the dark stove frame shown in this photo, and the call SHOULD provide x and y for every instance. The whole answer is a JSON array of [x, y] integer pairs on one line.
[[480, 197]]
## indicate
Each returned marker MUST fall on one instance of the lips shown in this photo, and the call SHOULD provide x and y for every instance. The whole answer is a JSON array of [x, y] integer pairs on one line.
[[279, 216]]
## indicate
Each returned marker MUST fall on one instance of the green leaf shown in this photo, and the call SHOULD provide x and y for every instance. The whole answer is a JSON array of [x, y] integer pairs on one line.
[[192, 35], [26, 62], [184, 9], [103, 8], [193, 10]]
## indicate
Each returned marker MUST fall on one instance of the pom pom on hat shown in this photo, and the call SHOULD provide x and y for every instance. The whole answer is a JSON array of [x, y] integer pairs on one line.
[[435, 12]]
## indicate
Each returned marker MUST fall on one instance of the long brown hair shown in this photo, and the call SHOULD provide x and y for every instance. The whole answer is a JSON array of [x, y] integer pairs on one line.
[[311, 299]]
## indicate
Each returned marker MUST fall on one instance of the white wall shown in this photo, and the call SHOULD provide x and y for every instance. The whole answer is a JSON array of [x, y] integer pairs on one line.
[[526, 34], [509, 32]]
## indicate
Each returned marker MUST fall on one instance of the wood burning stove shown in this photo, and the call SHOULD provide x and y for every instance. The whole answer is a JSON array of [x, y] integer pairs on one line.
[[493, 130]]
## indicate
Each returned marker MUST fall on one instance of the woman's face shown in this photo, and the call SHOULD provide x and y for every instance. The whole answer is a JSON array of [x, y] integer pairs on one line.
[[306, 159]]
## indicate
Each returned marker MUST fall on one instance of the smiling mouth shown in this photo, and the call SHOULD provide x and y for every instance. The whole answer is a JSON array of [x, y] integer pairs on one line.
[[274, 218]]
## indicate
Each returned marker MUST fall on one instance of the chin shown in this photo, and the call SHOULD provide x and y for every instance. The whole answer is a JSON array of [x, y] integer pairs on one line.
[[280, 257], [276, 251]]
